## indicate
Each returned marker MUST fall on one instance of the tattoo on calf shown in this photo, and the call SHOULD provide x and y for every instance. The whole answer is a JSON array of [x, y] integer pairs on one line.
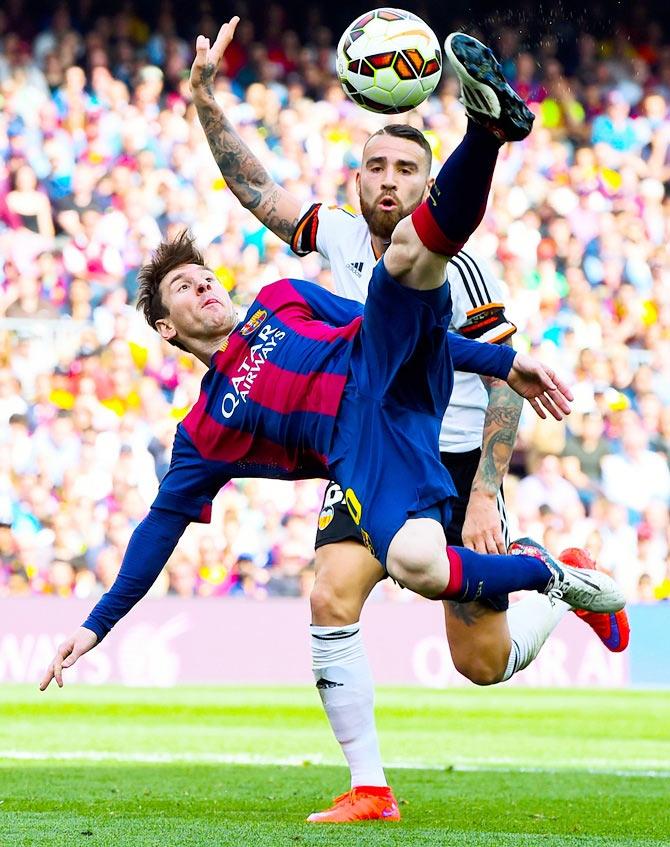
[[468, 613]]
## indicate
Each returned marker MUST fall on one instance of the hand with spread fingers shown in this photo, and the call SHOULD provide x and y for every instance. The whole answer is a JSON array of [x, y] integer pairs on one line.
[[207, 60], [67, 654], [540, 386]]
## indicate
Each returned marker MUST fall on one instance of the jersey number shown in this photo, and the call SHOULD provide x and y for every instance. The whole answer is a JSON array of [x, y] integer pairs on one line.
[[354, 506]]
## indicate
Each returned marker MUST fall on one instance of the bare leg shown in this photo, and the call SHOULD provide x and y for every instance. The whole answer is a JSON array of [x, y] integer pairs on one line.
[[345, 575], [489, 646], [479, 641]]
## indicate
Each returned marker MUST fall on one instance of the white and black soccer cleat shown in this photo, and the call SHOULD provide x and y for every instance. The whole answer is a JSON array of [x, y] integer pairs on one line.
[[487, 96], [578, 587]]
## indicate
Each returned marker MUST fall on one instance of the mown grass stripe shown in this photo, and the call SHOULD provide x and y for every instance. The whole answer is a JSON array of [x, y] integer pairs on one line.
[[489, 766]]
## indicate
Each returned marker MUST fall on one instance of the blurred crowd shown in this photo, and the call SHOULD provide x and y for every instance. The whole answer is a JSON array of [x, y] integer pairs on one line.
[[101, 156]]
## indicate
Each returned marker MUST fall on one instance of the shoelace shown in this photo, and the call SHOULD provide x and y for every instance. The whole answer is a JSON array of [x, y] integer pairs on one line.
[[348, 796], [555, 593]]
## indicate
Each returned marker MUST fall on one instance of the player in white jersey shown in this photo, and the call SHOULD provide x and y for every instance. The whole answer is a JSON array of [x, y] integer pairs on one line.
[[488, 643]]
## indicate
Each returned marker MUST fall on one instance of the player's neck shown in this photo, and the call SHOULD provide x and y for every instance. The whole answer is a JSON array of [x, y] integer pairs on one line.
[[205, 348], [379, 245]]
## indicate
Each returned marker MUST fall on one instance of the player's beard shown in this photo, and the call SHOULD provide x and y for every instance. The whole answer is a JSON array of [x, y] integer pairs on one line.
[[380, 222]]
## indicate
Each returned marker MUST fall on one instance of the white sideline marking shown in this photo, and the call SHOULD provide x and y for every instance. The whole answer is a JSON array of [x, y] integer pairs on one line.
[[489, 766]]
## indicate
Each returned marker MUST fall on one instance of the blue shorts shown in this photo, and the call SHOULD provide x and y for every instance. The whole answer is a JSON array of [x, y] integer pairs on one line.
[[385, 452]]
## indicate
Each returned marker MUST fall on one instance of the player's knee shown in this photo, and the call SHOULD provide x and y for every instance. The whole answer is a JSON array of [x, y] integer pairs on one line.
[[481, 668], [337, 596], [346, 573], [422, 570], [478, 664], [417, 557], [329, 607]]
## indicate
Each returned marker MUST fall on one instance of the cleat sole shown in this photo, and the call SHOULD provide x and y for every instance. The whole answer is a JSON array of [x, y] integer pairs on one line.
[[480, 73]]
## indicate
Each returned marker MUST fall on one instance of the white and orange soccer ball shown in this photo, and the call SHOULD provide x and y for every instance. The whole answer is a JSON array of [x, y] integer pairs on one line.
[[388, 61]]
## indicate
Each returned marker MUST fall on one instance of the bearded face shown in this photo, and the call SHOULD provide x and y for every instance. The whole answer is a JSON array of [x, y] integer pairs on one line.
[[381, 216], [393, 181]]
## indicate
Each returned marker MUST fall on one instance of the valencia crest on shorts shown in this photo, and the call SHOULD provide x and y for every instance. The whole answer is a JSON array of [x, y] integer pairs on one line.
[[326, 517]]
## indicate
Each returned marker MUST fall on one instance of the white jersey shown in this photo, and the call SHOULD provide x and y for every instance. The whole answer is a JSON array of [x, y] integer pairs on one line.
[[478, 309]]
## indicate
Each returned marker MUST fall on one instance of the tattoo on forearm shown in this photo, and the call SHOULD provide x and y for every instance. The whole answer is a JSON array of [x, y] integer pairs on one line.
[[207, 78], [244, 174], [283, 227], [500, 426]]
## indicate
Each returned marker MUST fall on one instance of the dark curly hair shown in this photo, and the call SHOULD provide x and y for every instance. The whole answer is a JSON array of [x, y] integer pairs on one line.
[[167, 256]]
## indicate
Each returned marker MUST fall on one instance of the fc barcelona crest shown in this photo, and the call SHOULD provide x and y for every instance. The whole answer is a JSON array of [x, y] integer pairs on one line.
[[254, 322]]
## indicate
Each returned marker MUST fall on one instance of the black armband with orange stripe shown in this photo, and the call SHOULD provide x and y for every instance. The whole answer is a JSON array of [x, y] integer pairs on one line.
[[303, 240]]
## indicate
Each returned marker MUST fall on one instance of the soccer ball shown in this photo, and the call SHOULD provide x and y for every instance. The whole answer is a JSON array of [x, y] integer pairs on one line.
[[388, 61]]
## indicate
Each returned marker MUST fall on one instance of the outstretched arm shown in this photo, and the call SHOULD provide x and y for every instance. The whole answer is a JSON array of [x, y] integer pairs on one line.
[[150, 547], [527, 376], [243, 172]]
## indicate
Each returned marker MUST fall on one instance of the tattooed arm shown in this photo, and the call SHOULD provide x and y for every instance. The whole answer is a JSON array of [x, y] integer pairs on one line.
[[481, 528], [243, 172]]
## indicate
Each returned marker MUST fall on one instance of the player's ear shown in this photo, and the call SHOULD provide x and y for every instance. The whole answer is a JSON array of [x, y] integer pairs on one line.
[[358, 183], [430, 182], [165, 328]]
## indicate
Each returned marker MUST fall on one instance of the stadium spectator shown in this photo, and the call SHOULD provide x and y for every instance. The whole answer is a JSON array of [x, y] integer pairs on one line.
[[635, 476]]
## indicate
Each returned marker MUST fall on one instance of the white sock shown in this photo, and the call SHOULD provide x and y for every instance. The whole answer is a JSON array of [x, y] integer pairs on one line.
[[531, 621], [343, 677]]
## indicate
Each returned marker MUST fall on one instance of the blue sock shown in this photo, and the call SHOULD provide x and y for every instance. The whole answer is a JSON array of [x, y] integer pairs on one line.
[[457, 200], [476, 576]]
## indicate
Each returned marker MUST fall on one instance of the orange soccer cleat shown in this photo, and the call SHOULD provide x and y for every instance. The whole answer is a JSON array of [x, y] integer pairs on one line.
[[363, 803], [612, 628]]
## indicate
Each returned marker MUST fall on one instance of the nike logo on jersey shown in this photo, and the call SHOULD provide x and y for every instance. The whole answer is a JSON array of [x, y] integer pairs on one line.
[[356, 268]]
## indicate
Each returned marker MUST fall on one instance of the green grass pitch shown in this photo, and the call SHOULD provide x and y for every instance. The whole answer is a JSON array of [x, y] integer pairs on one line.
[[222, 766]]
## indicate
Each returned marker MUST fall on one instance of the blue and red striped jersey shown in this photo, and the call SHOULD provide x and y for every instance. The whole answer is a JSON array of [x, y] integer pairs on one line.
[[302, 360], [269, 400]]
